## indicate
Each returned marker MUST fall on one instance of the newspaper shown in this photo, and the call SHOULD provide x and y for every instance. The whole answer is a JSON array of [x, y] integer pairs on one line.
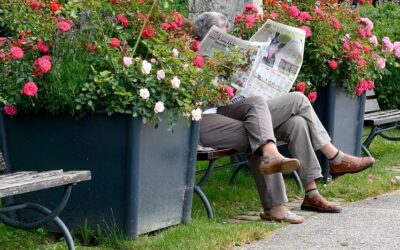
[[275, 55]]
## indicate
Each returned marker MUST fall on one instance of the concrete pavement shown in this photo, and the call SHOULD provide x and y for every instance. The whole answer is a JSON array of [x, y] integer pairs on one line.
[[368, 224]]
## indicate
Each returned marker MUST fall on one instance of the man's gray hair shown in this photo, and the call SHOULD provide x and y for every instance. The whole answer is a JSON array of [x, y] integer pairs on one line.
[[206, 20]]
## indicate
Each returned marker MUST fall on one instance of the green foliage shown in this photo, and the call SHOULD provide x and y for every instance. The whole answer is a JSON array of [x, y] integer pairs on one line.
[[89, 74], [386, 18]]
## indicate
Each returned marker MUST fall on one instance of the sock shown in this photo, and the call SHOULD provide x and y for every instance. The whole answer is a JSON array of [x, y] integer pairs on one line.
[[337, 158], [312, 192]]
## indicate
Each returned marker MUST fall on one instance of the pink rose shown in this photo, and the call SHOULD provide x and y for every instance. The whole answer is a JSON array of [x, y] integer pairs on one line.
[[127, 61], [380, 62], [304, 16], [396, 45], [175, 53], [10, 110], [333, 64], [361, 87], [373, 40], [153, 61], [250, 7], [198, 61], [307, 30], [175, 82], [361, 32], [159, 107], [312, 96], [16, 53], [29, 89], [160, 74], [144, 93], [397, 53], [42, 66], [273, 15], [336, 23], [42, 47], [346, 47], [64, 26], [294, 11], [358, 45], [371, 85], [146, 67], [114, 43], [229, 91]]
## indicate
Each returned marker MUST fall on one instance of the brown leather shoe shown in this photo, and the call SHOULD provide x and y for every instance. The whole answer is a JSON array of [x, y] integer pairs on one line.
[[351, 164], [272, 165], [317, 203]]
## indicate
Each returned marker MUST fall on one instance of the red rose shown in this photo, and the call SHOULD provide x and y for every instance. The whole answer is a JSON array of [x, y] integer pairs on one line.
[[333, 64], [123, 20], [178, 19], [195, 45], [366, 49], [301, 87], [250, 7], [148, 31], [64, 26], [55, 6], [312, 96], [10, 110], [29, 89], [198, 61], [166, 26], [42, 47], [114, 1], [114, 43], [16, 53], [91, 47]]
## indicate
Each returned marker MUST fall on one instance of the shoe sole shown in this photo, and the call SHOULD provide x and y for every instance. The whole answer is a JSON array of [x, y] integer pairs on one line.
[[285, 220], [285, 168], [315, 209], [350, 172]]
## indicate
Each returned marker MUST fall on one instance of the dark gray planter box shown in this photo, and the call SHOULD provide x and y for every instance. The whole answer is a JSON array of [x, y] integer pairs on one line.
[[142, 177], [343, 118]]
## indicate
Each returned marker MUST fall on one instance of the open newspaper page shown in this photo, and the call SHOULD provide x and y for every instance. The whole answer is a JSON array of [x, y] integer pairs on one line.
[[279, 60], [216, 39]]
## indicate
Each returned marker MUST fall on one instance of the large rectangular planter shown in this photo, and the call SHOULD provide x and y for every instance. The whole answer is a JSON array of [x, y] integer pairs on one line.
[[343, 118], [142, 177]]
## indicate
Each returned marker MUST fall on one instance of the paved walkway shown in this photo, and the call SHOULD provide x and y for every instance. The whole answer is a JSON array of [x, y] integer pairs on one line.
[[368, 224]]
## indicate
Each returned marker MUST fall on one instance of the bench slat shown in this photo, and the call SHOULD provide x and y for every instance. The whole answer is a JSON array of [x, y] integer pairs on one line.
[[24, 182], [382, 117]]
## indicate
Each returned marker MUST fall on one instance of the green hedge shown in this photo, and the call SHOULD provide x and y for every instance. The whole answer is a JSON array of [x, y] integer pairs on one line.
[[386, 18]]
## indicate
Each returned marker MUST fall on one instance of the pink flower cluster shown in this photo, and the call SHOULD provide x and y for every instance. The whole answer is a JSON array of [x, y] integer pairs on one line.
[[42, 66], [249, 17], [175, 23], [363, 85], [389, 47]]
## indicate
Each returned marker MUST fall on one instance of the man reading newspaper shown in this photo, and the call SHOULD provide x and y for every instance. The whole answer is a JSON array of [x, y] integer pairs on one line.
[[267, 113]]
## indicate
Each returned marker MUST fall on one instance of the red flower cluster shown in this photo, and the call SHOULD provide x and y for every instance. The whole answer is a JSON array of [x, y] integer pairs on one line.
[[364, 85], [123, 20], [175, 23], [42, 47], [249, 17], [35, 4], [148, 31], [55, 6], [16, 53]]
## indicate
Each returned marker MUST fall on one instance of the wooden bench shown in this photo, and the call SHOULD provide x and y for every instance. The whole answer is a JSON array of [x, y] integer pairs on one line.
[[379, 120], [24, 182], [212, 155]]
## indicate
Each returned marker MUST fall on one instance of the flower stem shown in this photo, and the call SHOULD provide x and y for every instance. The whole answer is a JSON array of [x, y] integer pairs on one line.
[[144, 24]]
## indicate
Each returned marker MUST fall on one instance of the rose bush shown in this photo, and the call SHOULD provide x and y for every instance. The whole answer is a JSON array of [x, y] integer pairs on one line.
[[123, 56], [340, 45]]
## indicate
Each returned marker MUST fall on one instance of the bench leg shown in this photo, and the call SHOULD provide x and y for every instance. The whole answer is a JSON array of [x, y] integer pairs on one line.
[[204, 200], [49, 216], [298, 181]]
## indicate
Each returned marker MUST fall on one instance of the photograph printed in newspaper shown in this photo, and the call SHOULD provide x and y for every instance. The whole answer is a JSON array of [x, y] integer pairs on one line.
[[275, 56]]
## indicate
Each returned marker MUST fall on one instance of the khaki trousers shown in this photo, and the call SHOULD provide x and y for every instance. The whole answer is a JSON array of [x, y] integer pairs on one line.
[[249, 123]]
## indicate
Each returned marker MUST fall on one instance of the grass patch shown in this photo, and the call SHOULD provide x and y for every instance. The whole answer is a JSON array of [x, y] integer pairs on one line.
[[229, 201]]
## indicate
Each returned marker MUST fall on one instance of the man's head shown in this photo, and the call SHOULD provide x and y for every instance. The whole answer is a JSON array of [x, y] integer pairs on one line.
[[206, 20]]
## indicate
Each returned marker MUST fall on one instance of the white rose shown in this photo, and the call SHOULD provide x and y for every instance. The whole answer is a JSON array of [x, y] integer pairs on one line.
[[175, 82], [159, 107], [196, 114], [144, 93], [175, 53], [127, 61], [146, 67]]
